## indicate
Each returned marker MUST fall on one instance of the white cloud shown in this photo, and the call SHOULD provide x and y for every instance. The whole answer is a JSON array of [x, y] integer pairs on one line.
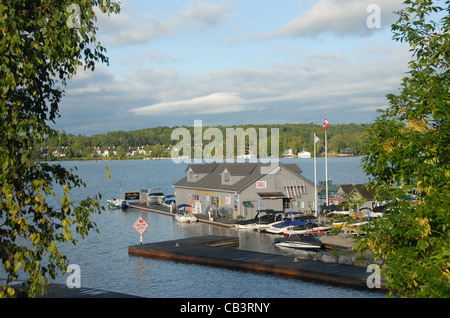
[[131, 27], [339, 17], [216, 103]]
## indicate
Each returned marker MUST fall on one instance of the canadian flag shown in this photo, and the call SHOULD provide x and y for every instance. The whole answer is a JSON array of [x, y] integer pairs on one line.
[[325, 124]]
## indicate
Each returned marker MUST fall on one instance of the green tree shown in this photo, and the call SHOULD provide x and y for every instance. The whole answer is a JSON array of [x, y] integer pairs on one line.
[[121, 153], [408, 157], [42, 44]]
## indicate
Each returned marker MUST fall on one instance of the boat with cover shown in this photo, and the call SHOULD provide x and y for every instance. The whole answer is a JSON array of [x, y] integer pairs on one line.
[[155, 196], [168, 201], [117, 204], [299, 241], [263, 219], [282, 226]]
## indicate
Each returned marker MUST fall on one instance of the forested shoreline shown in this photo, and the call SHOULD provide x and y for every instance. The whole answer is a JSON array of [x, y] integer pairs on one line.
[[156, 141]]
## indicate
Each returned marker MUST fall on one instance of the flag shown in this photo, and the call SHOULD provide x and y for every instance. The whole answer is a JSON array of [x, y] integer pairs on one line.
[[259, 202], [325, 124], [316, 139]]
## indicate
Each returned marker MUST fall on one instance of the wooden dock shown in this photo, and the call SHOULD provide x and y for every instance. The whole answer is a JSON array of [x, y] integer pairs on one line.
[[62, 291], [211, 251], [228, 223]]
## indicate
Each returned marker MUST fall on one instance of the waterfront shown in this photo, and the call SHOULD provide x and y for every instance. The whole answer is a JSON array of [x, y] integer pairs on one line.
[[105, 264]]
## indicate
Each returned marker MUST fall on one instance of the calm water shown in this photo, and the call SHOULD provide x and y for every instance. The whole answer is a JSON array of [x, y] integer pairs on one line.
[[105, 263]]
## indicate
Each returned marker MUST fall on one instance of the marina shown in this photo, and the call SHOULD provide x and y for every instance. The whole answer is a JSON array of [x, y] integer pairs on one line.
[[106, 264]]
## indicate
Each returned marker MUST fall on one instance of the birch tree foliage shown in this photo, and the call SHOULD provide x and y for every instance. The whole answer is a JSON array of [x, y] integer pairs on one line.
[[409, 160], [42, 44]]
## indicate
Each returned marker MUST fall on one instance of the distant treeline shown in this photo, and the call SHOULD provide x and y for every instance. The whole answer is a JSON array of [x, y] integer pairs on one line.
[[156, 142]]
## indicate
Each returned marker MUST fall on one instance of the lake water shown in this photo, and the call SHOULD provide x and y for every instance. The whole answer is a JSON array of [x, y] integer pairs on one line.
[[105, 264]]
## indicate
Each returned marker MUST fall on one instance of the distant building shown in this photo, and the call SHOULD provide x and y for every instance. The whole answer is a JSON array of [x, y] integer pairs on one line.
[[304, 154], [237, 188], [332, 188], [288, 153], [346, 152], [358, 192]]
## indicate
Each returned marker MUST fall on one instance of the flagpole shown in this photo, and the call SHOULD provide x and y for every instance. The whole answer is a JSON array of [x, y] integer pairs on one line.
[[326, 170], [315, 179]]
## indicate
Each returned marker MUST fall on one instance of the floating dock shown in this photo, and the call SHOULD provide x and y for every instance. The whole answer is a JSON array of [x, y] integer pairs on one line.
[[223, 222], [214, 251]]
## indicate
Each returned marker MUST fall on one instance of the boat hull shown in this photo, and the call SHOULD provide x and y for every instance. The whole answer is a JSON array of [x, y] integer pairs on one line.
[[298, 245], [300, 241], [186, 218], [117, 204], [315, 230]]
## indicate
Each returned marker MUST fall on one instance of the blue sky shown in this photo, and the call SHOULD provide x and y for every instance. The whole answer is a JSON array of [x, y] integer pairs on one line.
[[237, 62]]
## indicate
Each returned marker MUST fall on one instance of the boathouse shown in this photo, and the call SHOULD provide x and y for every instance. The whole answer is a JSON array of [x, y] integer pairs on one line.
[[240, 189], [358, 192]]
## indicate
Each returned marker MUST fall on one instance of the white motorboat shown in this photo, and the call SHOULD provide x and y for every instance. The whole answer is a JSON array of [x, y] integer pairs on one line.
[[300, 241], [155, 196], [117, 204], [185, 217], [308, 229], [282, 226], [262, 220]]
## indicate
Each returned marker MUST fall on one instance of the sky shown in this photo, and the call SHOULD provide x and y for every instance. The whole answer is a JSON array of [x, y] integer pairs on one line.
[[238, 62]]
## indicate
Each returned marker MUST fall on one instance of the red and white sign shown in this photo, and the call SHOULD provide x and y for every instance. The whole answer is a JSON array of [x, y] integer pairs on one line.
[[261, 184], [141, 225]]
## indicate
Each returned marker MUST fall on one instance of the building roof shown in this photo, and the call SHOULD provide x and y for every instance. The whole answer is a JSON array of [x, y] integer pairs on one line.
[[367, 193], [347, 188], [213, 180]]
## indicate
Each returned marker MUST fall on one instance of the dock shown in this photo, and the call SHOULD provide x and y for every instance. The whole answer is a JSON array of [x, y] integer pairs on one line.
[[215, 251], [223, 222], [55, 290]]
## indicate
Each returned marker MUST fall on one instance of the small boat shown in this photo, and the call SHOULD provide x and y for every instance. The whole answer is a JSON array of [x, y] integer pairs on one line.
[[155, 196], [185, 217], [184, 207], [282, 226], [117, 204], [309, 228], [299, 241], [168, 201], [263, 219]]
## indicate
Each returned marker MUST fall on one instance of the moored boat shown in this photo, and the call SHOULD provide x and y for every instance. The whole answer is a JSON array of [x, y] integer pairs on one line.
[[300, 241], [117, 204], [263, 219], [282, 226], [185, 217], [308, 229], [155, 196]]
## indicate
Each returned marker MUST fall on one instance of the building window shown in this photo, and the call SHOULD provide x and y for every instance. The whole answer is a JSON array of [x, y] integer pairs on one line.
[[226, 177], [191, 176]]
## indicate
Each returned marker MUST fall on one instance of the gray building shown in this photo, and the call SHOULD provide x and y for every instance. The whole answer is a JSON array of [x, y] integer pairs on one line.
[[238, 189]]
